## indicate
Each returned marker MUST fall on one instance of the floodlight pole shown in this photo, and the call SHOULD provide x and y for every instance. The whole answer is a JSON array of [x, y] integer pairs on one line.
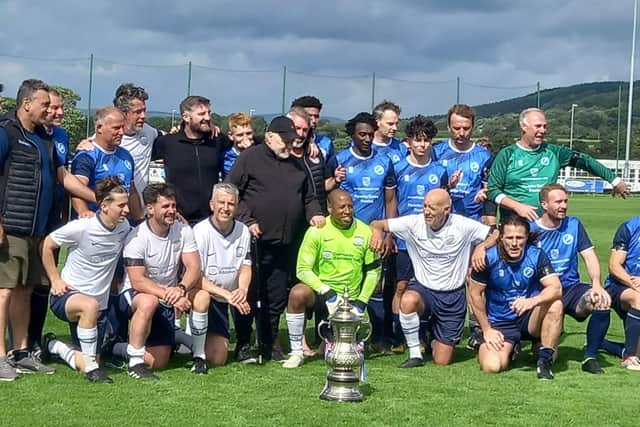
[[630, 108]]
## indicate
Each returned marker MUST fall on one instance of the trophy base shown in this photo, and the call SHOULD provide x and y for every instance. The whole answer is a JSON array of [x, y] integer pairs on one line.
[[342, 393]]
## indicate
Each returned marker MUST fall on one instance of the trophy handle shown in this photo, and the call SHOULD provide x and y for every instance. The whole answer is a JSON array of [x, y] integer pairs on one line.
[[367, 327], [321, 325]]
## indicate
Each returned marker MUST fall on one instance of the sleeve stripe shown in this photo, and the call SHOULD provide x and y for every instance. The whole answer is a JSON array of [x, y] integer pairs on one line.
[[134, 262]]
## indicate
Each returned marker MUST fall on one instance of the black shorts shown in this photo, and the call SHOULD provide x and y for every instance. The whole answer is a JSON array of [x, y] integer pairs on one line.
[[445, 312], [514, 331], [219, 319], [571, 297], [58, 304], [615, 291], [161, 324], [404, 266]]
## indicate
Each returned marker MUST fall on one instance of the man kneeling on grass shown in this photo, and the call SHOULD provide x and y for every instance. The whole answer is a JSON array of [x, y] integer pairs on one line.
[[154, 253], [80, 293], [329, 259], [523, 299]]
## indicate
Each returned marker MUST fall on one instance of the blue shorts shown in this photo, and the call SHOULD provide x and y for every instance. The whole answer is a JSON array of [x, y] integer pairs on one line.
[[514, 331], [161, 324], [58, 303], [615, 291], [219, 319], [571, 297], [445, 312], [404, 267]]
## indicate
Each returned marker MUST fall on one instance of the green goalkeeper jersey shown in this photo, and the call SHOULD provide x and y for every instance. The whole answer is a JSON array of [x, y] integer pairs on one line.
[[332, 258], [520, 173]]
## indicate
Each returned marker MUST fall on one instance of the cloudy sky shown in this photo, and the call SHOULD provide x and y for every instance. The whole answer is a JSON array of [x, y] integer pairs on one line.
[[331, 48]]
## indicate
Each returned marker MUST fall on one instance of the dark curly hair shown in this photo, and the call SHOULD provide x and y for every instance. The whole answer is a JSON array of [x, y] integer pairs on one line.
[[363, 117], [421, 126]]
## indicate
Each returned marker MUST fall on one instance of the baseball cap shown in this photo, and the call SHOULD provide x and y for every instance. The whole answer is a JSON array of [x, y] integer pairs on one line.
[[283, 126]]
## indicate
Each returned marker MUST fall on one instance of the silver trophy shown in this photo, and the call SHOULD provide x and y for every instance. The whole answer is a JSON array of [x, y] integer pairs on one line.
[[344, 360]]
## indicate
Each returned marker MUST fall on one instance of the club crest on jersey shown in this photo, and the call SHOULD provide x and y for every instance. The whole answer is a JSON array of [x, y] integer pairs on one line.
[[520, 163], [358, 241], [474, 166], [127, 164], [61, 148], [554, 253], [327, 255], [379, 170], [500, 273], [567, 239], [433, 179], [239, 252], [395, 158], [420, 189], [407, 178], [212, 270], [444, 162], [366, 181], [527, 272], [350, 169], [534, 171], [544, 161]]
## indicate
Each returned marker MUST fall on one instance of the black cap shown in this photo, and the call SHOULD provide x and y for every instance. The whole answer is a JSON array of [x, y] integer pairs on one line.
[[283, 126]]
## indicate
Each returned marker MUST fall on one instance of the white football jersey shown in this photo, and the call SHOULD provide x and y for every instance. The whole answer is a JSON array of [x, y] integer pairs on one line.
[[221, 256], [140, 145], [440, 258], [93, 255], [161, 256]]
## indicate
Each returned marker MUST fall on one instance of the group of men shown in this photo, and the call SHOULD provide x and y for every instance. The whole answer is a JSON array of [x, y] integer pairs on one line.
[[251, 228]]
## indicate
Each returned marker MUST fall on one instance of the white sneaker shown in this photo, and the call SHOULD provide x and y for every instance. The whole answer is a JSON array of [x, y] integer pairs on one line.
[[295, 360], [631, 363]]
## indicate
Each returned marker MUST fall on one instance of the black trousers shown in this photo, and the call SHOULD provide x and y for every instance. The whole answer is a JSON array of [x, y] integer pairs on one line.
[[274, 269]]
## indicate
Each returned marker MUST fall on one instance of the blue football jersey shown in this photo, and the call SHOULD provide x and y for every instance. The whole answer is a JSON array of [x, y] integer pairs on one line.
[[366, 181], [627, 239], [98, 164], [325, 144], [228, 159], [395, 150], [507, 281], [562, 245], [474, 164], [414, 182], [60, 139]]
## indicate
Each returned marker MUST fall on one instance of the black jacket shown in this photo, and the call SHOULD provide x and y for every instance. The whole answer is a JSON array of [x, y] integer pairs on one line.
[[275, 193], [192, 167]]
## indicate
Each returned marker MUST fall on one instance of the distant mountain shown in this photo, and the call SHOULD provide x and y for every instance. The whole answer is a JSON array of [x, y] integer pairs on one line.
[[603, 95]]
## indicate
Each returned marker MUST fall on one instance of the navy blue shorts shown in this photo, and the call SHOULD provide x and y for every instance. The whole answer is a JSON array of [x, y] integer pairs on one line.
[[404, 266], [161, 324], [571, 297], [58, 303], [319, 309], [514, 331], [615, 291], [219, 319], [445, 312]]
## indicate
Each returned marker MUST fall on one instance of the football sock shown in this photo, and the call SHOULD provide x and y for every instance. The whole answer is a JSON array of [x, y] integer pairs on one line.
[[295, 324], [136, 355], [199, 323], [88, 338], [546, 354], [39, 307], [596, 331], [65, 352], [120, 350], [631, 332], [376, 315], [612, 347], [411, 328], [182, 338]]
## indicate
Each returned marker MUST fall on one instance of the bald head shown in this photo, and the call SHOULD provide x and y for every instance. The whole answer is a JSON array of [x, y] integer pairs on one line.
[[437, 205], [438, 196], [340, 208]]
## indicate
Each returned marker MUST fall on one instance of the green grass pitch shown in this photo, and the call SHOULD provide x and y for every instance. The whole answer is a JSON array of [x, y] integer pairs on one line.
[[269, 395]]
